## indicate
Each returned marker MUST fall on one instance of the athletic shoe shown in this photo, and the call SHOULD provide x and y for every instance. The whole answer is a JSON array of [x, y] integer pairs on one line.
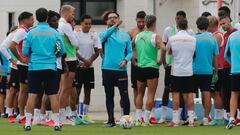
[[216, 122], [209, 119], [49, 123], [185, 123], [68, 121], [145, 124], [57, 128], [204, 122], [237, 122], [79, 121], [230, 125], [87, 119], [27, 128], [137, 123], [153, 120], [4, 115], [109, 125], [11, 119], [191, 124], [162, 122], [172, 124], [22, 120], [36, 121], [17, 118]]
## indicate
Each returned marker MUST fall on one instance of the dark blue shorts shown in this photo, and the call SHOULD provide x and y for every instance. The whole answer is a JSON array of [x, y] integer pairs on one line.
[[202, 82], [235, 82], [43, 81], [115, 78], [3, 85]]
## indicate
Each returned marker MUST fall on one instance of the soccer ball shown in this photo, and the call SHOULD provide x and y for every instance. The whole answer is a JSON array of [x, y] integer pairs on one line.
[[126, 122]]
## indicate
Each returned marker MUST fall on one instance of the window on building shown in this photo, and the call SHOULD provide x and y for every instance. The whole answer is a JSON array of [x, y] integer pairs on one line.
[[10, 20], [94, 8]]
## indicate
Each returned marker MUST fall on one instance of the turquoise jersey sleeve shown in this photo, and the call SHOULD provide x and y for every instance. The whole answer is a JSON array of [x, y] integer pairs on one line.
[[105, 35], [26, 45]]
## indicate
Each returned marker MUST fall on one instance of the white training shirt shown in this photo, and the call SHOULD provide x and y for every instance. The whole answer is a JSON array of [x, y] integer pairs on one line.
[[87, 43], [4, 47], [183, 47], [6, 44], [65, 28], [18, 37], [167, 33]]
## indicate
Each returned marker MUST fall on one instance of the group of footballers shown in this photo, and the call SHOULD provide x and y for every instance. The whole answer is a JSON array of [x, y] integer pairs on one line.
[[52, 61]]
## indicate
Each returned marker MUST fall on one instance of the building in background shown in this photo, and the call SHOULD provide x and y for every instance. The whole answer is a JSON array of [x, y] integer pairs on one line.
[[165, 11]]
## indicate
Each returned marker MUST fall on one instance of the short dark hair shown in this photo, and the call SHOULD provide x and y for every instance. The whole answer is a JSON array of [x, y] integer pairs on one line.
[[224, 17], [239, 14], [83, 17], [141, 14], [52, 14], [150, 20], [202, 23], [182, 24], [225, 9], [206, 14], [181, 13], [41, 14], [105, 15], [24, 15]]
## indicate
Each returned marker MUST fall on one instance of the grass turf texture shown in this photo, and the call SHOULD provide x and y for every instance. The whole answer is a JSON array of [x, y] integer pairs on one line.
[[96, 129]]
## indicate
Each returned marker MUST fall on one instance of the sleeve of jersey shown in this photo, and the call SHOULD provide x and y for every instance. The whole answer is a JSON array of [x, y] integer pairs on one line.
[[129, 49], [105, 35], [26, 45], [19, 36], [3, 48], [168, 46], [227, 53], [166, 34], [71, 35]]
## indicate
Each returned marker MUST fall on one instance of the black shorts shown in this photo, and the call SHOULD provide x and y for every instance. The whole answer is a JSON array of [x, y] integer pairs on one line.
[[43, 81], [134, 72], [202, 82], [217, 87], [85, 76], [148, 73], [168, 79], [235, 82], [114, 78], [182, 84], [3, 85], [59, 74], [23, 74], [14, 79], [72, 66]]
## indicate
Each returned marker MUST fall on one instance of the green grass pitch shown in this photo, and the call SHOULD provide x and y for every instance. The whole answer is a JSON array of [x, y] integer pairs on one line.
[[96, 129]]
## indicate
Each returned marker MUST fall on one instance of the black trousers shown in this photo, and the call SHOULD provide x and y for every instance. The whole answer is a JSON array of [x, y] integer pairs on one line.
[[111, 79]]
